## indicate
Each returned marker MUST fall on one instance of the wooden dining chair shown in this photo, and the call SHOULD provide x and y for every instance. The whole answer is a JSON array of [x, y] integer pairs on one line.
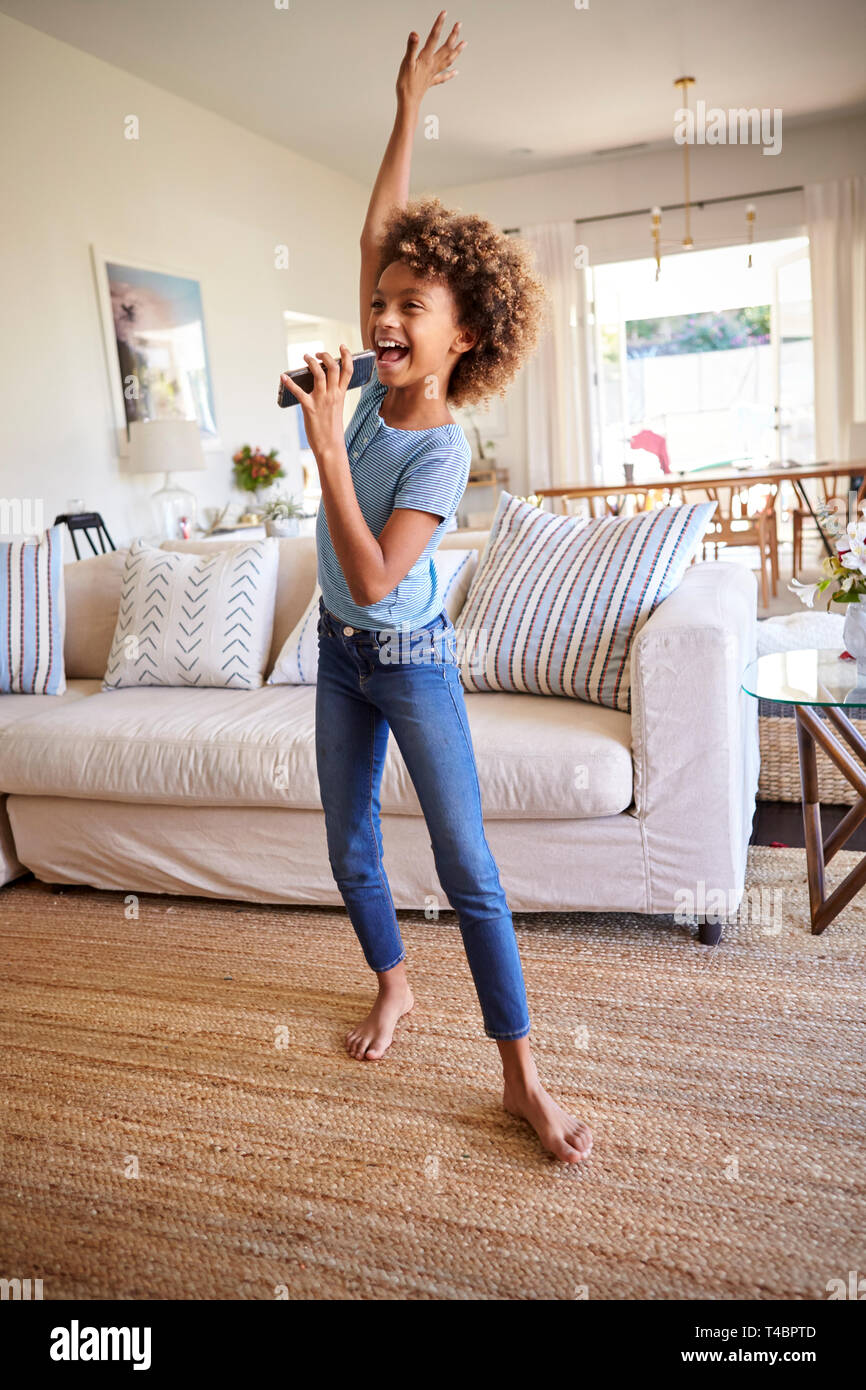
[[733, 524], [606, 502], [835, 489], [593, 507]]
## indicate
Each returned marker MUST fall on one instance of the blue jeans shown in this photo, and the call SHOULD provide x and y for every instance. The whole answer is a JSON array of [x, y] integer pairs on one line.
[[367, 685]]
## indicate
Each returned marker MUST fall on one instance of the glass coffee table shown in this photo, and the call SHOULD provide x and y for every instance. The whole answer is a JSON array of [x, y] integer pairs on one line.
[[811, 680]]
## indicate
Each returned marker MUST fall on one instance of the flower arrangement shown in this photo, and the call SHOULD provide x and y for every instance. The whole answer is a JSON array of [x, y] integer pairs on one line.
[[254, 470], [844, 572]]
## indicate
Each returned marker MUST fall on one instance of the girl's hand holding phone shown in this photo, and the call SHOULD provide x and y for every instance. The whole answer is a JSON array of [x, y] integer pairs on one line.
[[323, 406]]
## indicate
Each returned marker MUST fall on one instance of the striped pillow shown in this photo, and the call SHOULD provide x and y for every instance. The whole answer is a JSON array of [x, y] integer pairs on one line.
[[32, 616], [557, 600]]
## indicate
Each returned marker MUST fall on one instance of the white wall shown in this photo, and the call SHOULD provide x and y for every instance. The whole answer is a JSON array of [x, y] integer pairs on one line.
[[196, 192], [810, 153]]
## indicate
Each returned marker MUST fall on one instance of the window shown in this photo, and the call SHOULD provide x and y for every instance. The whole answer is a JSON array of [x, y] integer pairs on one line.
[[714, 357]]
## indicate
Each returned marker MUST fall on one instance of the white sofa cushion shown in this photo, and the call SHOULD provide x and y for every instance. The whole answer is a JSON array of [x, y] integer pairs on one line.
[[557, 601], [194, 620], [92, 588], [298, 661], [15, 709], [238, 748]]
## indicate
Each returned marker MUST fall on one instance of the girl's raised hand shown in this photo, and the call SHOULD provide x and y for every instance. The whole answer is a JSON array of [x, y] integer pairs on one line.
[[428, 66]]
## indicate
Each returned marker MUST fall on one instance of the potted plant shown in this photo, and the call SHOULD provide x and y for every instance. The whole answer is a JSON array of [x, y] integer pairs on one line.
[[845, 577], [254, 471], [281, 516]]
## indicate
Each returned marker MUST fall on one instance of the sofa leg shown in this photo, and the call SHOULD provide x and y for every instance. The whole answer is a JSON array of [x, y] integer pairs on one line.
[[709, 933]]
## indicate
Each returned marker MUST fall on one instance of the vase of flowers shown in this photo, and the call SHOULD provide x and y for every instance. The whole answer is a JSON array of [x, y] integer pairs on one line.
[[254, 471], [282, 515], [845, 577]]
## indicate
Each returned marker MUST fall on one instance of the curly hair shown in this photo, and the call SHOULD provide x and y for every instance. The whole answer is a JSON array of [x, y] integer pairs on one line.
[[496, 291]]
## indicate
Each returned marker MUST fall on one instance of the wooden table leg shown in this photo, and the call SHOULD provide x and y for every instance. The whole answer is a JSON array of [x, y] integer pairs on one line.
[[812, 732], [811, 814]]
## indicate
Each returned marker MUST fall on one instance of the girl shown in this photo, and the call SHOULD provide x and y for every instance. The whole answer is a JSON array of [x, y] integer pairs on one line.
[[451, 308]]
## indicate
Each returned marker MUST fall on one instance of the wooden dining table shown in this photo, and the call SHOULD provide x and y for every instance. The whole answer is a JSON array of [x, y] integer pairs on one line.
[[680, 482]]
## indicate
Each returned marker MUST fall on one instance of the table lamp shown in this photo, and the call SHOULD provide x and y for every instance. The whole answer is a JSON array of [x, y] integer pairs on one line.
[[168, 446]]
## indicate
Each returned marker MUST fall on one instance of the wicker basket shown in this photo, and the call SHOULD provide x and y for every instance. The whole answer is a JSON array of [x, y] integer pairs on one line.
[[780, 761]]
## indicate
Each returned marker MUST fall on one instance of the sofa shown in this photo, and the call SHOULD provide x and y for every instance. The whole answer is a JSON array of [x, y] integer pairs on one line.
[[214, 792]]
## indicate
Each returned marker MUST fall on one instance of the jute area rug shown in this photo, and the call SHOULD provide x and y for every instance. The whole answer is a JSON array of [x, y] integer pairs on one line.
[[181, 1121]]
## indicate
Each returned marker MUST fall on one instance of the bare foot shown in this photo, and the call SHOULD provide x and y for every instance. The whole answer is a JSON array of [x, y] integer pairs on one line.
[[565, 1137], [374, 1035]]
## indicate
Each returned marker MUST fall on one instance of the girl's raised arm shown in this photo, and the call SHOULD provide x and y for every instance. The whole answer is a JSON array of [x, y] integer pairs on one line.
[[420, 69]]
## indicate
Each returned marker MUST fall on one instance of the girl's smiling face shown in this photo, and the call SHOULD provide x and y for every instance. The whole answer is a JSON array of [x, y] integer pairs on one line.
[[414, 328]]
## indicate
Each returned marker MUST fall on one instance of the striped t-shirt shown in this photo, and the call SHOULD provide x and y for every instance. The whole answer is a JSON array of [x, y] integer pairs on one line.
[[426, 470]]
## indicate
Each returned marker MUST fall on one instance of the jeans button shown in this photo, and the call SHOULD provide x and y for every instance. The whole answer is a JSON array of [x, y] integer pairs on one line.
[[348, 631]]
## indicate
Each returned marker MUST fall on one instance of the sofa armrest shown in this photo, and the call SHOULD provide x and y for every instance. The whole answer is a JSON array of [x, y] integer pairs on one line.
[[695, 736]]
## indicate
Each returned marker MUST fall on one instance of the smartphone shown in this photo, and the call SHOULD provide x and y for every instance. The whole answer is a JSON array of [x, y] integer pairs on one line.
[[363, 363]]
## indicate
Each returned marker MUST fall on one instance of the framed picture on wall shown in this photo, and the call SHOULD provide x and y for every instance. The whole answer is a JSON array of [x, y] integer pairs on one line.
[[155, 345]]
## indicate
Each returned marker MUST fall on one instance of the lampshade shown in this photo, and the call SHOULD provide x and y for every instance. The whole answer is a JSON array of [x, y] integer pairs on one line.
[[165, 446]]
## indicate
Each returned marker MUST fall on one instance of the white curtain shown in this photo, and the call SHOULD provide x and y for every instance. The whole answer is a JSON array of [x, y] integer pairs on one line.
[[557, 375], [836, 218]]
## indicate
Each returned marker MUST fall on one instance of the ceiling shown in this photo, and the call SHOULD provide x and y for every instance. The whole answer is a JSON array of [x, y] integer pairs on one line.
[[541, 84]]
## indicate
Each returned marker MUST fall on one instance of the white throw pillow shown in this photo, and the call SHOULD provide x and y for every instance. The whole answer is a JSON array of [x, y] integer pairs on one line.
[[298, 661], [187, 619]]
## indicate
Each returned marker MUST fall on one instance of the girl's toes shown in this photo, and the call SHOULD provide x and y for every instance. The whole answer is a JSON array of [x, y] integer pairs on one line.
[[580, 1140], [566, 1151]]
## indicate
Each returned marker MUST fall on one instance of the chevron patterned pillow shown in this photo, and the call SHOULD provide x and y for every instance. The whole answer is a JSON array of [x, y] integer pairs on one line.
[[557, 601], [194, 619]]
